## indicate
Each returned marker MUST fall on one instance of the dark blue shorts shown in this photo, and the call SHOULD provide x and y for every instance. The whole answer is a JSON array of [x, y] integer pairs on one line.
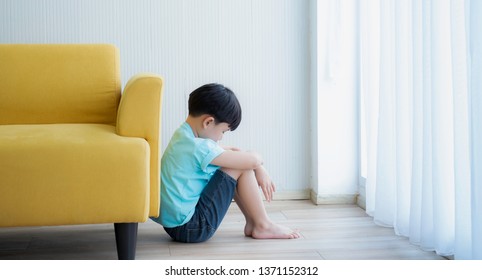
[[210, 210]]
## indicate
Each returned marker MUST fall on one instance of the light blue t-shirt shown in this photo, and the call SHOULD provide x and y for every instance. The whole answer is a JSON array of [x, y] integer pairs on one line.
[[185, 172]]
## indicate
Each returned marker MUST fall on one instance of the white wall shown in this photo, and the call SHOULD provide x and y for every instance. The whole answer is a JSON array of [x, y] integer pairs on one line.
[[334, 106], [259, 48]]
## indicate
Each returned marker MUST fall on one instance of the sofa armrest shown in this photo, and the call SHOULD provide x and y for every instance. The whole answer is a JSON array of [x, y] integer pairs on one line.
[[139, 115]]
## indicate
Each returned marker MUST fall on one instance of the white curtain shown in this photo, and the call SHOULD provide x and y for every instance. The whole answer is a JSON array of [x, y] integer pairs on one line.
[[421, 92]]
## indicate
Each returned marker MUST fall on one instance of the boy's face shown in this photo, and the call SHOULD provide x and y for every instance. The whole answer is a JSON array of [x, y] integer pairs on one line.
[[214, 131]]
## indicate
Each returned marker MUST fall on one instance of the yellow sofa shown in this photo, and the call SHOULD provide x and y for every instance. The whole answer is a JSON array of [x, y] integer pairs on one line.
[[73, 149]]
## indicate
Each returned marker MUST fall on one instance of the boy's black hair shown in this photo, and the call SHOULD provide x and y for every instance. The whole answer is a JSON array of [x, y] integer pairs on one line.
[[218, 101]]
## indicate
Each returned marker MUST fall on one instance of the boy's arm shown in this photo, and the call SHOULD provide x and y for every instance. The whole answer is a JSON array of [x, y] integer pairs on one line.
[[238, 160], [247, 161], [231, 148]]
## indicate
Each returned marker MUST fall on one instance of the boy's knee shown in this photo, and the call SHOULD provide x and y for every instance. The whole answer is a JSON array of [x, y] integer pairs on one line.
[[234, 173], [237, 173]]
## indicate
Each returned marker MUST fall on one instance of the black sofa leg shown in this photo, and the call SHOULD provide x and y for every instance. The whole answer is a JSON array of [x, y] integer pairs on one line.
[[126, 240]]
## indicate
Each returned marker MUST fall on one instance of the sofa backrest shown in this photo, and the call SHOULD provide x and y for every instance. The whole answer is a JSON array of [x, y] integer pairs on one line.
[[43, 84]]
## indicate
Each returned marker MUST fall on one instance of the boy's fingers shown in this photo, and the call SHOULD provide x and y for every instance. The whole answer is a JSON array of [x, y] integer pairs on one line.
[[266, 192]]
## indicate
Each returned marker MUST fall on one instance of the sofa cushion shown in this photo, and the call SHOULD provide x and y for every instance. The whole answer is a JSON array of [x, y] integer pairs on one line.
[[71, 174], [44, 84]]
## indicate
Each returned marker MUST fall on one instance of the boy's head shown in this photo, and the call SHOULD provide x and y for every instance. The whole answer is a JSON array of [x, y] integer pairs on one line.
[[218, 101]]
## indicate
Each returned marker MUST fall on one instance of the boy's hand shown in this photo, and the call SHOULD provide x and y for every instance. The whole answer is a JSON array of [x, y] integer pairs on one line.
[[264, 181]]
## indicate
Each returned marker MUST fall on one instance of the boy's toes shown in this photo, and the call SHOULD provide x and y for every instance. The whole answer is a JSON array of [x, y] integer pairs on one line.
[[295, 235]]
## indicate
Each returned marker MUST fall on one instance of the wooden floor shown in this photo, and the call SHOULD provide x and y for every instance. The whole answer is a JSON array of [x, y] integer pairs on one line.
[[328, 232]]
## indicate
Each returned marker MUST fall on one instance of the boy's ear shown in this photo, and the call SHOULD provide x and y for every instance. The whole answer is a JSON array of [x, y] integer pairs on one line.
[[207, 121]]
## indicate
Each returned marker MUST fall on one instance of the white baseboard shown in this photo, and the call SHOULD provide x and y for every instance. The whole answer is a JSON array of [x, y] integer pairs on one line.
[[292, 195], [361, 201], [319, 199]]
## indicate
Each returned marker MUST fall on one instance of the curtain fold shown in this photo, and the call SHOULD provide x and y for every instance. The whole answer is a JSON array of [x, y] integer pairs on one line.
[[475, 97], [421, 71]]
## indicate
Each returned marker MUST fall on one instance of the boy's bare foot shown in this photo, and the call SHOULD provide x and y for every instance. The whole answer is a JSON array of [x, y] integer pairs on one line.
[[270, 231]]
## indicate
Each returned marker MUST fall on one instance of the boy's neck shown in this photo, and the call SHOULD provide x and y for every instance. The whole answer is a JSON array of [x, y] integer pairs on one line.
[[195, 123]]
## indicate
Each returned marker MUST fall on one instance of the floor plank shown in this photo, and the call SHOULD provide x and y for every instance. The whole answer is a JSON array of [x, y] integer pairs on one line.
[[338, 232]]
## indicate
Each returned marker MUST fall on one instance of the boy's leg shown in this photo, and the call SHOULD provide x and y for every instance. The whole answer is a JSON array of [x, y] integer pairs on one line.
[[248, 230], [210, 210], [258, 224]]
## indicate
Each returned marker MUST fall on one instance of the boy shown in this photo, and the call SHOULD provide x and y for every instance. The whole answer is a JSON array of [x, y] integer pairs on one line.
[[199, 178]]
